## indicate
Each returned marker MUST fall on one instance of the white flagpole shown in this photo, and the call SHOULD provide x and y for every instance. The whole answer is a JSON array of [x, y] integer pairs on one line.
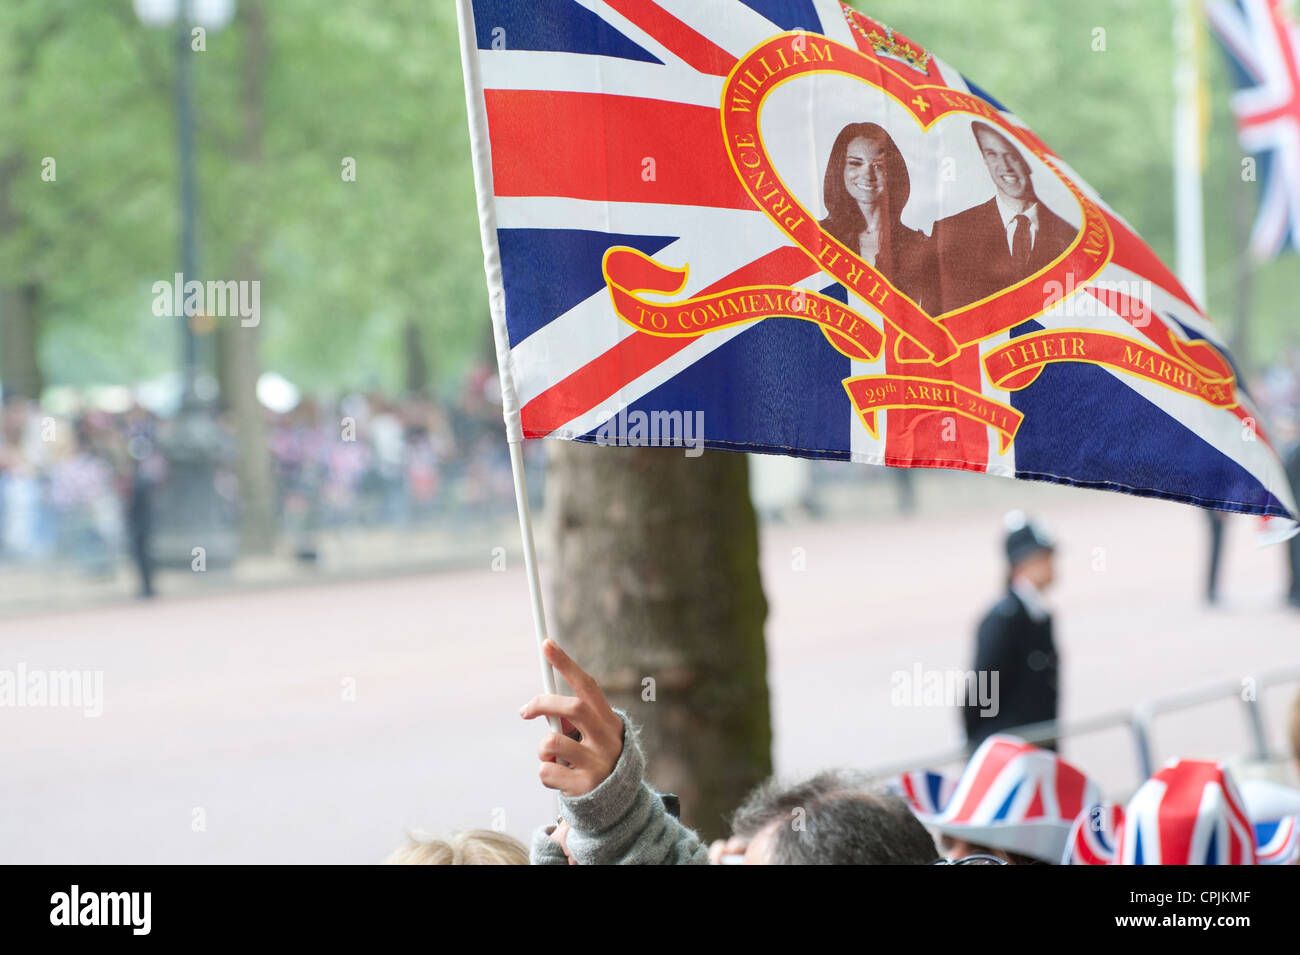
[[530, 566], [1189, 215], [482, 152]]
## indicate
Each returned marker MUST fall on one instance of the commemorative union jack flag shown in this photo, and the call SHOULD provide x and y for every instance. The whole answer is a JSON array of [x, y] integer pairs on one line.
[[789, 223], [1263, 47]]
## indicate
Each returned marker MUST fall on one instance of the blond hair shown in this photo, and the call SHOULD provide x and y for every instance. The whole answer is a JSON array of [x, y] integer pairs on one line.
[[471, 847]]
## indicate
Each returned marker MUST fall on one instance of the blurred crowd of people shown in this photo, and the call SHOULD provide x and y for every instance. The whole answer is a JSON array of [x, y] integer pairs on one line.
[[66, 483], [76, 485], [1278, 392], [375, 460]]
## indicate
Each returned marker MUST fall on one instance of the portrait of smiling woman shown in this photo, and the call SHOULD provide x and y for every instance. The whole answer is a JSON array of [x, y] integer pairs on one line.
[[865, 191]]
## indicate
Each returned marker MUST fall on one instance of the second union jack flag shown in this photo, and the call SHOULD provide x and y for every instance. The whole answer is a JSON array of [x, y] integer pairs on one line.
[[1263, 46]]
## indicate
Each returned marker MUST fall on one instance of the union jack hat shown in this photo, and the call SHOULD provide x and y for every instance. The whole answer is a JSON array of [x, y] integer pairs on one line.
[[927, 792], [1189, 813], [1093, 835], [1278, 843], [1012, 796], [1275, 811]]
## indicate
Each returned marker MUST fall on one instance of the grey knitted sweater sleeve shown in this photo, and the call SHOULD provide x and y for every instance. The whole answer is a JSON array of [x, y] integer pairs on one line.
[[622, 821], [545, 850]]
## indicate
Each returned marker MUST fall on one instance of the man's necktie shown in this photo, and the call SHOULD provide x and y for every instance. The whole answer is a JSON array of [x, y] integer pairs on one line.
[[1020, 241]]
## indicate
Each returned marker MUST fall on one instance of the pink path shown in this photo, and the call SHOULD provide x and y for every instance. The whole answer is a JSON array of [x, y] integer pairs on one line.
[[233, 704]]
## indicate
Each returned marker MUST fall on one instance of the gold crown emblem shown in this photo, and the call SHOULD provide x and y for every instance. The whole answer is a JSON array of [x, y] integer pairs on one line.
[[886, 44]]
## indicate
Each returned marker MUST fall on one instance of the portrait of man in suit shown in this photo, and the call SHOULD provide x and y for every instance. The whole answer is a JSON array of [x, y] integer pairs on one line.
[[998, 243]]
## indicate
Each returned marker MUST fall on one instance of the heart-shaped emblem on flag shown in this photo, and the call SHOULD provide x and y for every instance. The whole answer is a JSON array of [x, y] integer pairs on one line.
[[988, 289]]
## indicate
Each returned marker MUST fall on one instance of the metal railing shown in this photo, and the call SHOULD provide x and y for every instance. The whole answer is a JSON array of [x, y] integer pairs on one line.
[[1140, 721]]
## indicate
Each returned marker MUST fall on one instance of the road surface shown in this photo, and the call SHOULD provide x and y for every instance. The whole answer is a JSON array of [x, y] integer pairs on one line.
[[228, 735]]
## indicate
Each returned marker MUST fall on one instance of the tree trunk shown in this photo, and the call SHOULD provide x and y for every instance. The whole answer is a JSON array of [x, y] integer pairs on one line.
[[20, 295], [238, 363], [20, 369], [417, 369], [657, 594]]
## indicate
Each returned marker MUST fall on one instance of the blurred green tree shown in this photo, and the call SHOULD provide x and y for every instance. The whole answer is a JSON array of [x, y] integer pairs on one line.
[[348, 264], [354, 272]]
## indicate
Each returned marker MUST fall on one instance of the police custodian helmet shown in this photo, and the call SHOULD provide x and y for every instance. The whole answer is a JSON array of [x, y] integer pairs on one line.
[[1025, 537]]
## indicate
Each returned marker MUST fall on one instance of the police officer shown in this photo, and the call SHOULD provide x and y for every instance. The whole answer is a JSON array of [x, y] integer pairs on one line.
[[1015, 640]]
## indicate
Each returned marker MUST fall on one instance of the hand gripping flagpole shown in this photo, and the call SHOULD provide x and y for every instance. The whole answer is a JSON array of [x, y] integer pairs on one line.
[[481, 148]]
